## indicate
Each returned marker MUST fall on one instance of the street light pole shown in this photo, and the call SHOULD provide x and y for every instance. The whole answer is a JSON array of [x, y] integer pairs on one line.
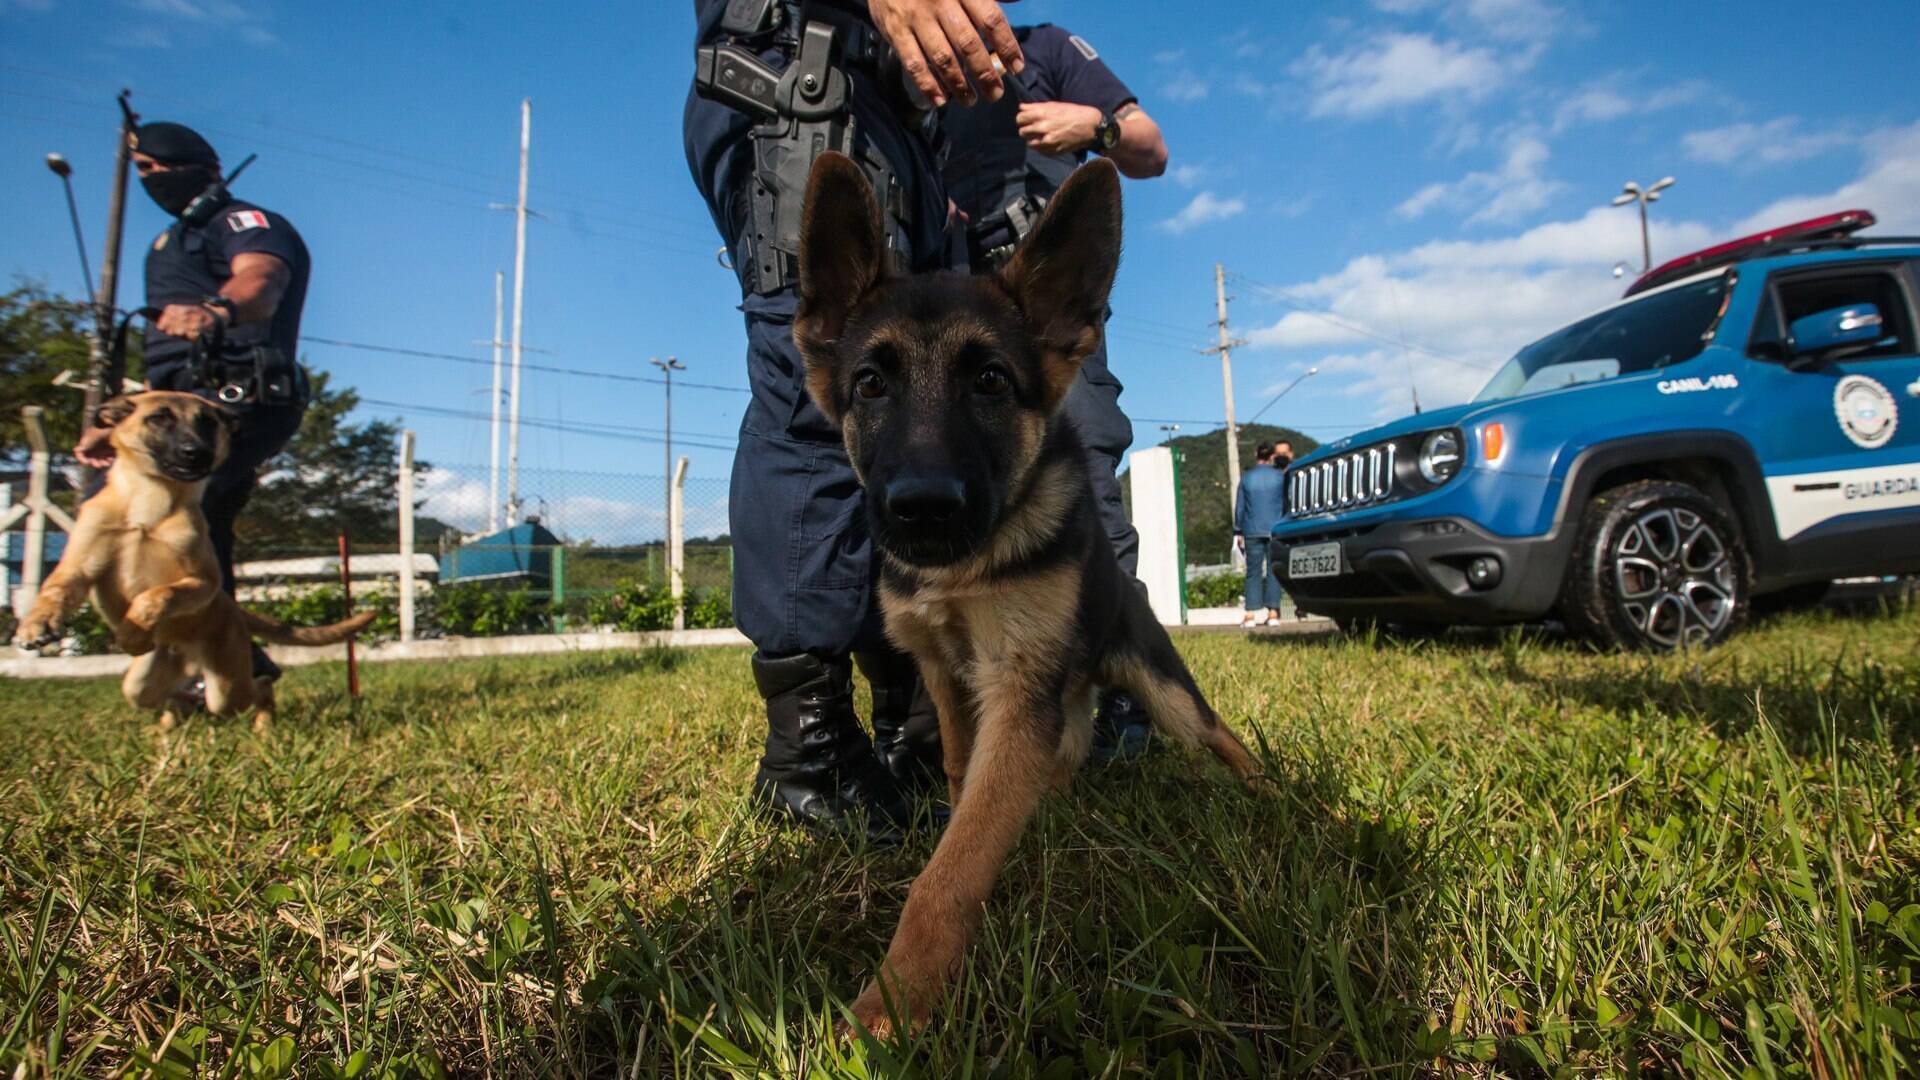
[[667, 367], [1296, 382], [1634, 193]]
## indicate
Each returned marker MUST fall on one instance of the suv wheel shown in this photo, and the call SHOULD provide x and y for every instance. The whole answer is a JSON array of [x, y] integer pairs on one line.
[[1658, 566]]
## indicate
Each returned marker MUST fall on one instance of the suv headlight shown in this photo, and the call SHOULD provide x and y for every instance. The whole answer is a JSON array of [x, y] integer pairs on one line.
[[1440, 456]]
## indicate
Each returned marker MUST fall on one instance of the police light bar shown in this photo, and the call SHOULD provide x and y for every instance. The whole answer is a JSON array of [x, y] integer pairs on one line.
[[1844, 223]]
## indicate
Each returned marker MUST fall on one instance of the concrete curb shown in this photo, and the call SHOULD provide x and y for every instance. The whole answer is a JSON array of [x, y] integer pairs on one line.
[[90, 667], [1202, 620]]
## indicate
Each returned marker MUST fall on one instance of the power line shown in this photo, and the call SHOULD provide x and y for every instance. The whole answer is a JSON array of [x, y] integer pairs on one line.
[[610, 431], [582, 373], [684, 235], [1277, 295]]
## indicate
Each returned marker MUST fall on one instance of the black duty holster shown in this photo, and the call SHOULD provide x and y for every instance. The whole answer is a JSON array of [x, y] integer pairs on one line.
[[802, 110]]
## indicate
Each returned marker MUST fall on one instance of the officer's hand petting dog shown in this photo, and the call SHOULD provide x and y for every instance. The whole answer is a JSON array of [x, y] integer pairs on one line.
[[947, 47]]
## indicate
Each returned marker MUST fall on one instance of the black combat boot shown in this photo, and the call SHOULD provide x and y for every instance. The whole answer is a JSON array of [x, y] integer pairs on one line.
[[906, 727], [1121, 728], [819, 769]]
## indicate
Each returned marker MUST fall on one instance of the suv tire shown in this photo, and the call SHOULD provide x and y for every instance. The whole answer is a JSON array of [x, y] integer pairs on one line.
[[1657, 566]]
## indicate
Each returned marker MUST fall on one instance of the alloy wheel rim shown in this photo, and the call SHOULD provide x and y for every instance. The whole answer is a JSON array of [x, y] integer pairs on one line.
[[1674, 577]]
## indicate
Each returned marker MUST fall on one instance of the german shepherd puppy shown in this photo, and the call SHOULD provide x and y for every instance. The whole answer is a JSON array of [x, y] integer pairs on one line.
[[996, 574], [140, 548]]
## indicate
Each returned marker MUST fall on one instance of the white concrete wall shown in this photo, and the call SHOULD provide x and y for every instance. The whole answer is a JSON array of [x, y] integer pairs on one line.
[[1156, 514]]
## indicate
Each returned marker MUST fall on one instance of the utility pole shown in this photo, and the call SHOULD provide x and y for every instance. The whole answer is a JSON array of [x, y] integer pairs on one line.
[[1225, 349], [105, 299], [493, 428], [519, 297], [670, 365]]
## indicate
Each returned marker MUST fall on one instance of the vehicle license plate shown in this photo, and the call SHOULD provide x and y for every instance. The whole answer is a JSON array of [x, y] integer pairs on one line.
[[1313, 560]]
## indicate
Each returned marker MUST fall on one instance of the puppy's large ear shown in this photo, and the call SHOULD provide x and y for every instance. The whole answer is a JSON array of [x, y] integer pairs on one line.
[[1062, 274], [113, 410], [842, 257]]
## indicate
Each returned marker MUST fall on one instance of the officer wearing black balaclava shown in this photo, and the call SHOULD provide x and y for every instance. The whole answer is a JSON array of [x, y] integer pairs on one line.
[[229, 280]]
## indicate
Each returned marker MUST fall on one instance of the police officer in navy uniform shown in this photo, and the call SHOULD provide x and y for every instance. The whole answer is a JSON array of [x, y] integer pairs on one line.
[[229, 279], [775, 82], [1004, 160]]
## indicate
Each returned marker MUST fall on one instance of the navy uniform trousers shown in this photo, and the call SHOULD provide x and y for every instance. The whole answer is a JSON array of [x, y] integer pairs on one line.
[[803, 561]]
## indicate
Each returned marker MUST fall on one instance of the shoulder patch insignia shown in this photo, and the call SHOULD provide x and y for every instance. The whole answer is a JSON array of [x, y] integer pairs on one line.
[[161, 240], [1080, 43], [242, 220]]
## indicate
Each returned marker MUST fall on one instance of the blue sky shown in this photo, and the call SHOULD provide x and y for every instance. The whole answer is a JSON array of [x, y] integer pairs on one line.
[[1427, 172]]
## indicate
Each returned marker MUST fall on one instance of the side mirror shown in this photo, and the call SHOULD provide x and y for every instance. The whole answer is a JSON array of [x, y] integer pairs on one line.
[[1815, 336]]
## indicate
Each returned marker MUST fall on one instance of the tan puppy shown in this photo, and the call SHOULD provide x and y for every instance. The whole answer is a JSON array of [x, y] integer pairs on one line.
[[140, 548]]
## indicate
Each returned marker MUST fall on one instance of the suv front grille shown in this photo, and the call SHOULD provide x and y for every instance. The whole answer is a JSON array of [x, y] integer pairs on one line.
[[1344, 481]]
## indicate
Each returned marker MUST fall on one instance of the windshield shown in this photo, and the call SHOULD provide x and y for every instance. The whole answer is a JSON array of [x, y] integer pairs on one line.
[[1654, 331]]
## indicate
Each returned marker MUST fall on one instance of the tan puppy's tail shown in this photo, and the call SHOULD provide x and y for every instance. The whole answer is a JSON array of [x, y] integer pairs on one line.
[[275, 632]]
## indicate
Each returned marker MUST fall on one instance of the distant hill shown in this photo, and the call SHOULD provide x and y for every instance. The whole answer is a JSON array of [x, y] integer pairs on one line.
[[1204, 498]]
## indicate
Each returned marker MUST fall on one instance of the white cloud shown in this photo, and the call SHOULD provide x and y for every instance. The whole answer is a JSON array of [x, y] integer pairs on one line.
[[1604, 101], [246, 22], [1516, 189], [1473, 302], [1775, 142], [460, 501], [1398, 69], [1205, 208], [1186, 86], [1187, 175], [1889, 185], [1514, 20]]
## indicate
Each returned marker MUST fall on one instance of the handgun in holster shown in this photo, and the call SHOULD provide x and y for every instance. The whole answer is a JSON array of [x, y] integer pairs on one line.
[[800, 111]]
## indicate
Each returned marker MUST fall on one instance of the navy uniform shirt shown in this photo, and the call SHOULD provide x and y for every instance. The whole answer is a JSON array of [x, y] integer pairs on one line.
[[988, 165], [186, 264]]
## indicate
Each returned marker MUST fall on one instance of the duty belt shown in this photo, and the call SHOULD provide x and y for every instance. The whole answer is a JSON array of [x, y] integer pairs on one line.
[[992, 240]]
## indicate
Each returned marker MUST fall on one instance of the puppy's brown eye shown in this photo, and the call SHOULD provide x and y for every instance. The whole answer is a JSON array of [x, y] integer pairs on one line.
[[992, 382], [160, 419], [869, 384]]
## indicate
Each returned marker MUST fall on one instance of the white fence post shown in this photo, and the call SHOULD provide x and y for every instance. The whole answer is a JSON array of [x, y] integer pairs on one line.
[[37, 509], [1155, 478], [406, 536], [677, 544]]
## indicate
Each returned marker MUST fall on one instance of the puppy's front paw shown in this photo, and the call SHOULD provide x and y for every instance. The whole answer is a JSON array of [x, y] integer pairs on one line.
[[36, 634], [147, 608], [870, 1012]]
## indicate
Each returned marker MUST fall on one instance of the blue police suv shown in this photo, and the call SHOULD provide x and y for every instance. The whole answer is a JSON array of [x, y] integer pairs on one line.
[[1744, 423]]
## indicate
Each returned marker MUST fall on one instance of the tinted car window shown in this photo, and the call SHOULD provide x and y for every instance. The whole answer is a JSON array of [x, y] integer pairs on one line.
[[1658, 330], [1801, 298]]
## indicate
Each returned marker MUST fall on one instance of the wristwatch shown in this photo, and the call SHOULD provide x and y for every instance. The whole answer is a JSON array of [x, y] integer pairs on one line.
[[1106, 134], [222, 302]]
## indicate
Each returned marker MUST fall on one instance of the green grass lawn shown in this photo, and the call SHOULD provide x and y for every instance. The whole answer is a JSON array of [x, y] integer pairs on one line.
[[1498, 855]]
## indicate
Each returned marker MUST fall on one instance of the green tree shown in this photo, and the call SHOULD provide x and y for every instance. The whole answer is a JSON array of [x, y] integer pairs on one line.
[[41, 335], [333, 477], [1204, 499]]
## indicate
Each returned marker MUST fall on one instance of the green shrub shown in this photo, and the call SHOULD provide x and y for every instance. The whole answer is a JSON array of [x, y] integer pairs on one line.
[[639, 605], [632, 605], [1223, 589], [474, 609], [318, 605], [712, 609]]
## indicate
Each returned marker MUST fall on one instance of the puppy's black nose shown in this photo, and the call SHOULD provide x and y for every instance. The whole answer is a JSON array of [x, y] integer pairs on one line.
[[921, 500]]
